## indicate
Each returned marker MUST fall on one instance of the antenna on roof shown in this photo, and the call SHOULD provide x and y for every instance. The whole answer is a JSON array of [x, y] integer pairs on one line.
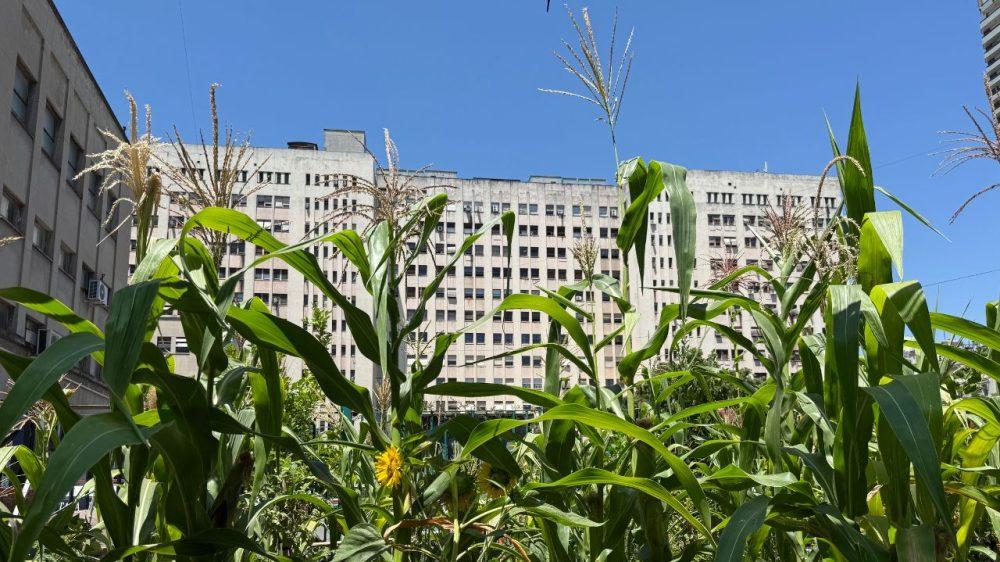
[[765, 166]]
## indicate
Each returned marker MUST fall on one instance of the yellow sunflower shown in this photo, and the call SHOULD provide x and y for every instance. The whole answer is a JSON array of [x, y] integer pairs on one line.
[[494, 482], [389, 467]]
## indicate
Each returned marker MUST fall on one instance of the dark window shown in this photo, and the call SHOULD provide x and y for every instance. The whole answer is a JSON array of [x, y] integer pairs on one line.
[[67, 261], [74, 164], [50, 130], [12, 210], [24, 86], [42, 238]]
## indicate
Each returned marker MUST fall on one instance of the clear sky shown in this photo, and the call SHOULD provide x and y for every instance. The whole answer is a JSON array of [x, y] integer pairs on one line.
[[715, 85]]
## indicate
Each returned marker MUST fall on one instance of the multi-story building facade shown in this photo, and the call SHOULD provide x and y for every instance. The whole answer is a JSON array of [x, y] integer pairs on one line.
[[57, 244], [553, 216], [292, 197], [989, 27], [288, 191]]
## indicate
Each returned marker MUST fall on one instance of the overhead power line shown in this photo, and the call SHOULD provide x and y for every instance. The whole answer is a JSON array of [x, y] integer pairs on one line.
[[981, 273], [187, 65]]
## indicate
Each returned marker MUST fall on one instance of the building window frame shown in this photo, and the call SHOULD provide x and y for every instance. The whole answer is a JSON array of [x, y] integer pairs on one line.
[[22, 95]]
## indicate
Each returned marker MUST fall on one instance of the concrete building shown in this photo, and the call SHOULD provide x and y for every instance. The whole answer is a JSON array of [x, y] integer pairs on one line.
[[53, 111], [989, 27], [289, 197], [553, 214]]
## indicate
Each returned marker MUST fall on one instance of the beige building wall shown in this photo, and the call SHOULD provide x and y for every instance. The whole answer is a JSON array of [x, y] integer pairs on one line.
[[52, 111]]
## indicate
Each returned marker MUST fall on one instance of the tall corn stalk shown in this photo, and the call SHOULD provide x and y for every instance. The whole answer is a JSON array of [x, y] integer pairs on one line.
[[603, 83], [217, 174], [128, 163]]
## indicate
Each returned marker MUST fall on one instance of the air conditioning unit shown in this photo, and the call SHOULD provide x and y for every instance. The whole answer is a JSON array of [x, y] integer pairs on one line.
[[98, 292]]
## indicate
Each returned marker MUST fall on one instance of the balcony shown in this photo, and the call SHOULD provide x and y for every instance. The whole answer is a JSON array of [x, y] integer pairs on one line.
[[990, 40], [991, 19]]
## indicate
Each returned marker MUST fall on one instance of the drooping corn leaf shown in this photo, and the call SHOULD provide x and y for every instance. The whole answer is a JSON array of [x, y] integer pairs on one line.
[[43, 372], [588, 476], [582, 415]]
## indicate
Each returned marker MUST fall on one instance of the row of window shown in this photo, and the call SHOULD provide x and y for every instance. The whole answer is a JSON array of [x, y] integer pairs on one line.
[[762, 199], [22, 107], [730, 243], [523, 272], [42, 237], [552, 210]]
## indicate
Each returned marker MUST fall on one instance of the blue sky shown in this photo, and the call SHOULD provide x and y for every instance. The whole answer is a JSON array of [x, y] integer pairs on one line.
[[715, 85]]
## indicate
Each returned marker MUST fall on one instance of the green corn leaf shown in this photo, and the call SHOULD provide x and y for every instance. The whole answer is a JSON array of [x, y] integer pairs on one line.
[[285, 337], [732, 477], [900, 409], [683, 221], [965, 328], [481, 389], [185, 465], [548, 306], [506, 220], [845, 537], [820, 468], [562, 350], [244, 228], [913, 213], [645, 184], [888, 226], [144, 512], [874, 259], [126, 330], [268, 394], [81, 448], [971, 359], [629, 364], [858, 185], [855, 421], [726, 331], [916, 544], [552, 513], [590, 476], [352, 247], [910, 305], [382, 288], [744, 522], [155, 255], [493, 451], [582, 415], [43, 373], [52, 308], [428, 214], [711, 407]]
